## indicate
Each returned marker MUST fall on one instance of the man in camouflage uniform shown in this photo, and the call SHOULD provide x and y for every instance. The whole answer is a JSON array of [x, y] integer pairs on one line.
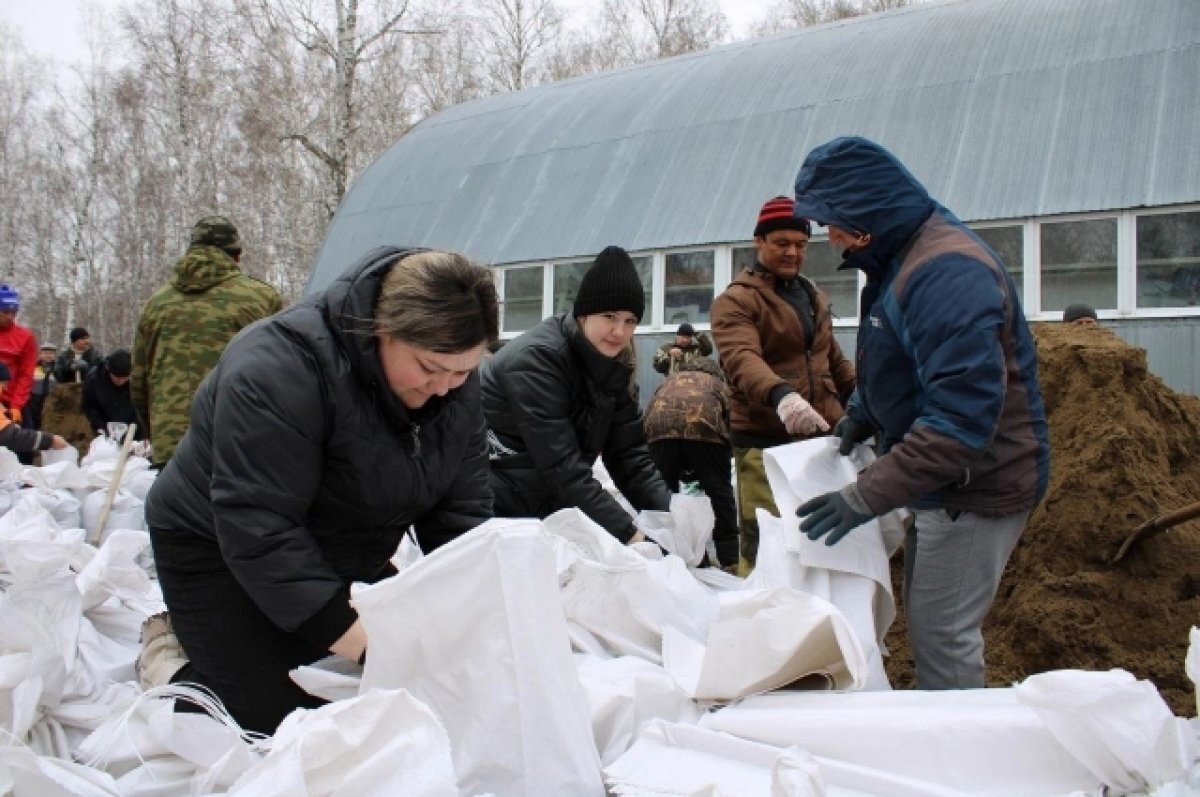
[[686, 349], [185, 325], [687, 428]]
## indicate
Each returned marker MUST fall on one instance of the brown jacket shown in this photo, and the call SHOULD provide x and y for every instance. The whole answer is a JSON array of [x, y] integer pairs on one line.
[[689, 405], [762, 347]]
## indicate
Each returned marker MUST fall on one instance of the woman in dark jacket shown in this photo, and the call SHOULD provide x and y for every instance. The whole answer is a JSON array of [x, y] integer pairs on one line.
[[563, 394], [324, 433]]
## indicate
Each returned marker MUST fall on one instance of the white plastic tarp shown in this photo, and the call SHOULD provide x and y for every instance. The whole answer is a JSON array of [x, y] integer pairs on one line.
[[979, 741], [476, 631]]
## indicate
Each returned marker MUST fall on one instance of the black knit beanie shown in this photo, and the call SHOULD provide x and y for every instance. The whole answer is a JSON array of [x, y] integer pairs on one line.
[[611, 284]]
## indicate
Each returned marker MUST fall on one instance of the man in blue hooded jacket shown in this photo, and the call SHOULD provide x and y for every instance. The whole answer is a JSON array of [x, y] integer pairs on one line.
[[947, 384]]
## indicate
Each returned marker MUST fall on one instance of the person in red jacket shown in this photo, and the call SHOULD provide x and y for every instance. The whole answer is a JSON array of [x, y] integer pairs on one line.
[[18, 352], [21, 440]]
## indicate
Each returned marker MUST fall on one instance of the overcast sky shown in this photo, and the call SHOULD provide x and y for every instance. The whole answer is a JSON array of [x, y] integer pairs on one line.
[[53, 27]]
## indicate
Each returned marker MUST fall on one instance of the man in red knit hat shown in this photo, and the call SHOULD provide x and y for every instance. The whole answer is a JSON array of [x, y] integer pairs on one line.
[[787, 375]]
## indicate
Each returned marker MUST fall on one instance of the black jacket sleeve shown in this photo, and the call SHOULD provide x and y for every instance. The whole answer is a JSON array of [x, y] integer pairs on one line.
[[538, 397], [628, 460], [267, 461], [90, 402]]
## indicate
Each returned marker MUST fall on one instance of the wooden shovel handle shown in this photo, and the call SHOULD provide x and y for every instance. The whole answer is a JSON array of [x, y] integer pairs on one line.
[[1157, 525], [111, 495]]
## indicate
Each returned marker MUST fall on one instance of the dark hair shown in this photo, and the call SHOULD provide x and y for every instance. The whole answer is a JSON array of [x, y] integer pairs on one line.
[[439, 301], [5, 374], [78, 333], [119, 363]]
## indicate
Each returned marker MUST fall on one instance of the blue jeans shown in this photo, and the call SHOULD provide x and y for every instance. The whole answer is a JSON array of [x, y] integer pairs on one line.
[[952, 568]]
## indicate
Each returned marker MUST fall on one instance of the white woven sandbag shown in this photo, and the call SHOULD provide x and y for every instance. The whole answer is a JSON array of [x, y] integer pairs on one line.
[[23, 773], [476, 631], [380, 744], [127, 512]]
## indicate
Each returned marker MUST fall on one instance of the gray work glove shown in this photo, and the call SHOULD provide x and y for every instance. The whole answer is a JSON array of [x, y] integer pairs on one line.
[[835, 514], [850, 432]]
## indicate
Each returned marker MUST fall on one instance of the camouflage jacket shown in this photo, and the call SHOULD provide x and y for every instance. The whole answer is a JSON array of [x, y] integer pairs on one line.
[[699, 349], [689, 405], [181, 333]]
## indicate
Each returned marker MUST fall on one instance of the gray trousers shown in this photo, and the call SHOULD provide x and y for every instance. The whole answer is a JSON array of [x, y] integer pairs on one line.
[[952, 568]]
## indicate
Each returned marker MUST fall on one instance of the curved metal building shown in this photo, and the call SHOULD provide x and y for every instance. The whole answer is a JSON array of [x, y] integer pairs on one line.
[[1065, 130]]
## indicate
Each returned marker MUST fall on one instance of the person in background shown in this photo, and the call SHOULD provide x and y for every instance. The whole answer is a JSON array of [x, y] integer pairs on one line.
[[787, 375], [323, 435], [184, 327], [561, 395], [23, 441], [686, 348], [78, 358], [106, 396], [947, 385], [43, 384], [18, 353], [687, 428], [1081, 315]]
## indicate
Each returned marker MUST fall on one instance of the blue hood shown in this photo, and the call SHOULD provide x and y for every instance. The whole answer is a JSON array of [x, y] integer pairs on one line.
[[859, 186]]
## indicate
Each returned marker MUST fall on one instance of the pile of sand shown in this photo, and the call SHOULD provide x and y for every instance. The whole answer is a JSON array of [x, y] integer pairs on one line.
[[1125, 448], [62, 414]]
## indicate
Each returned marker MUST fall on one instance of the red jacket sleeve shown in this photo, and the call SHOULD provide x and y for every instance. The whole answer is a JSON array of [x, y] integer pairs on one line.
[[22, 377]]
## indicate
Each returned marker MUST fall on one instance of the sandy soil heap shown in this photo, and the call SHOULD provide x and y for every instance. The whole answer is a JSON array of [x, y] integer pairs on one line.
[[1125, 448]]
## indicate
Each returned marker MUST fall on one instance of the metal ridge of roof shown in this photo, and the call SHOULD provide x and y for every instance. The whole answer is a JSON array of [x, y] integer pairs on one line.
[[1003, 108]]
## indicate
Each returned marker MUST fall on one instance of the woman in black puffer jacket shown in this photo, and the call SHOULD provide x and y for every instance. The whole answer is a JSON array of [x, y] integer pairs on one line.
[[563, 394], [324, 433]]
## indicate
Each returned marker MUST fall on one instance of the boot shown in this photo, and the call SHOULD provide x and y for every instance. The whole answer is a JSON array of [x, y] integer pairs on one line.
[[162, 656]]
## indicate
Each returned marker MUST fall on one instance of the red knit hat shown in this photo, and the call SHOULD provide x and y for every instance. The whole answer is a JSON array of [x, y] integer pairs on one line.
[[778, 214]]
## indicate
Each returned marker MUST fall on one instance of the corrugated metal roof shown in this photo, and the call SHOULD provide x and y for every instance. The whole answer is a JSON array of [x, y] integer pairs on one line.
[[1004, 108]]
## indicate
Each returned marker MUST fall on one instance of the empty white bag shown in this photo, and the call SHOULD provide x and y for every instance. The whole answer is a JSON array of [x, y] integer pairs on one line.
[[476, 631], [384, 743]]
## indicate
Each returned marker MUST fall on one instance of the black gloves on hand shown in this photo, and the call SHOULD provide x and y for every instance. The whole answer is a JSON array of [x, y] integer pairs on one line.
[[835, 514], [850, 432]]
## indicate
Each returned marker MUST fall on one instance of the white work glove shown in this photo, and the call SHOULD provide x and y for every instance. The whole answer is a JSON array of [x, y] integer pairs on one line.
[[799, 417]]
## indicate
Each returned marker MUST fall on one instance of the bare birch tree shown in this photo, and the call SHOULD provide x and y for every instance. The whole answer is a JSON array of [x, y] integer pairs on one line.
[[514, 35], [791, 14]]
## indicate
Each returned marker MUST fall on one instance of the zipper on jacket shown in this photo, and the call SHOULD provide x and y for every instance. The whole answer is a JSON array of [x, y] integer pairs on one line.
[[416, 436], [812, 390]]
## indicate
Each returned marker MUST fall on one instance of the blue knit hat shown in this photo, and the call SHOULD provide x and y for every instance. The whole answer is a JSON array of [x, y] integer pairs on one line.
[[9, 298]]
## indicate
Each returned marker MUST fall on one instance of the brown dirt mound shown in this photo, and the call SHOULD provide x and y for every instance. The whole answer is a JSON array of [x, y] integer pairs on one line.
[[1125, 448], [61, 414]]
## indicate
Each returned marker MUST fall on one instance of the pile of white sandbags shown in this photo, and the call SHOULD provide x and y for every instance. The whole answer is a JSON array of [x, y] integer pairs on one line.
[[543, 657]]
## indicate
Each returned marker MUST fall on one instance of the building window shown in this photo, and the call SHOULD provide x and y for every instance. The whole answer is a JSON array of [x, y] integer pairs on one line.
[[522, 298], [1079, 263], [567, 277], [1168, 260], [1008, 243], [821, 266], [688, 287], [743, 257]]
